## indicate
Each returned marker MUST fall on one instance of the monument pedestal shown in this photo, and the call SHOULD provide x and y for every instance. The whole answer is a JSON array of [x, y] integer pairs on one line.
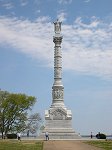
[[58, 124]]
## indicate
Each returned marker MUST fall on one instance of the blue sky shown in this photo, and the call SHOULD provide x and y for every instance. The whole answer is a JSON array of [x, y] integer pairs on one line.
[[26, 56]]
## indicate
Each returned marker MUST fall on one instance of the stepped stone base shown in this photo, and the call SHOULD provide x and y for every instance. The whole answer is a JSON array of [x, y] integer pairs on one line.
[[60, 134], [58, 124]]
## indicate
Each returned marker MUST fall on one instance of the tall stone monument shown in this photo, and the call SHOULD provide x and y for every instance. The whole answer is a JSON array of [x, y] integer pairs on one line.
[[58, 118]]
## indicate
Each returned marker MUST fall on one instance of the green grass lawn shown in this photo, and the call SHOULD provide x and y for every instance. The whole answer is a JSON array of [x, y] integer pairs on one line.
[[106, 145], [21, 145]]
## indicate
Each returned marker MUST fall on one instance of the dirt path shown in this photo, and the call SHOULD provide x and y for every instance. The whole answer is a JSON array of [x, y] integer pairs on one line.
[[67, 145]]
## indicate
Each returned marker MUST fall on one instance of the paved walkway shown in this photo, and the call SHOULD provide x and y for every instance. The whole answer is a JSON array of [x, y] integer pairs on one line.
[[68, 145]]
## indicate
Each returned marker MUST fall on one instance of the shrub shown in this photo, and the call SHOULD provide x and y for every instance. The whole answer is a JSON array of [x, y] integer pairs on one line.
[[12, 136], [101, 136]]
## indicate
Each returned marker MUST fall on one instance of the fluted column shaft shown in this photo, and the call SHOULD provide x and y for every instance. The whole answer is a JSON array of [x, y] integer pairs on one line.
[[57, 60], [57, 89]]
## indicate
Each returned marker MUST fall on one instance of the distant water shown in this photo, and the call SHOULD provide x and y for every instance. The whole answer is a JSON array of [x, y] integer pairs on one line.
[[88, 136], [109, 137]]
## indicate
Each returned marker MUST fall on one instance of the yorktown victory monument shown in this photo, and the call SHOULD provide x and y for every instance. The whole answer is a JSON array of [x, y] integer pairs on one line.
[[58, 119]]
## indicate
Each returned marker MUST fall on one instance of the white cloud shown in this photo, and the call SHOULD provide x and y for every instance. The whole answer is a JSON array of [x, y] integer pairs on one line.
[[38, 11], [87, 1], [65, 1], [43, 19], [93, 24], [31, 38], [6, 5], [87, 48], [62, 16], [24, 2]]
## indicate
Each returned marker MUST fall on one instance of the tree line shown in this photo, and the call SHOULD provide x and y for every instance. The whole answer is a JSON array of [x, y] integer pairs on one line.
[[14, 116]]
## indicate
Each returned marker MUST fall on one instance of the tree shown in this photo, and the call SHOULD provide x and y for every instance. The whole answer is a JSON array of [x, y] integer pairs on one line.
[[13, 111], [33, 123]]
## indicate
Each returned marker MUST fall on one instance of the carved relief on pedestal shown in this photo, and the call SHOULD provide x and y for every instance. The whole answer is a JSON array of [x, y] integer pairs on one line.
[[58, 114], [57, 94]]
